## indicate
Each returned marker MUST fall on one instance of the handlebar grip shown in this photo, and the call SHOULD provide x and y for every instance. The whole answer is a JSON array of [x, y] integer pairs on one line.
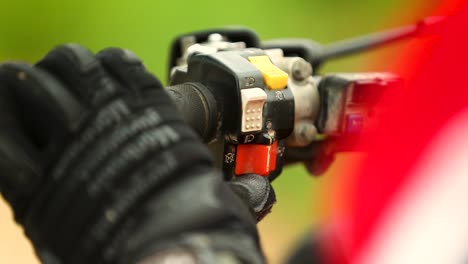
[[198, 107]]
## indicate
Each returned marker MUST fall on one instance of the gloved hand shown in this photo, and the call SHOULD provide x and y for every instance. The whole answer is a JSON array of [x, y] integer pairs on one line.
[[99, 167]]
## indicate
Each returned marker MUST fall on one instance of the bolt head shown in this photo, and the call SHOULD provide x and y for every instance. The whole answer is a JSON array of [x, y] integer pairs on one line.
[[301, 70]]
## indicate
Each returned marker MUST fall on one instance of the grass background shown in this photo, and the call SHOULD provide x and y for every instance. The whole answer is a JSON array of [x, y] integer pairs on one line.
[[28, 29]]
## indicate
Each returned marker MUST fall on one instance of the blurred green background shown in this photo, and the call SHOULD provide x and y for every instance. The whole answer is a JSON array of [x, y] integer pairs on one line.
[[28, 29]]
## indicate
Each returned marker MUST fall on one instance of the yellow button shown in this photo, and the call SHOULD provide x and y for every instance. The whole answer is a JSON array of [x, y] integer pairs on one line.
[[275, 78]]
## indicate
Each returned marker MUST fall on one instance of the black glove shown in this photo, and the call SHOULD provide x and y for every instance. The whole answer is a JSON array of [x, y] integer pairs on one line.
[[100, 168]]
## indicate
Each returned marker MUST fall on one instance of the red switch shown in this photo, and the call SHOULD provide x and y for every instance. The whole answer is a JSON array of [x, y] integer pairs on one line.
[[256, 158]]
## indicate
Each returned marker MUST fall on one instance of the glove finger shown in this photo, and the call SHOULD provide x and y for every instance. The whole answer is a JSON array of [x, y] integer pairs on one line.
[[36, 112], [18, 158], [256, 192], [79, 69], [47, 110], [128, 69]]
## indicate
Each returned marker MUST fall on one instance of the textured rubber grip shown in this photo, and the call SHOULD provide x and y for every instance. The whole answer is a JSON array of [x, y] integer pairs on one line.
[[198, 107]]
